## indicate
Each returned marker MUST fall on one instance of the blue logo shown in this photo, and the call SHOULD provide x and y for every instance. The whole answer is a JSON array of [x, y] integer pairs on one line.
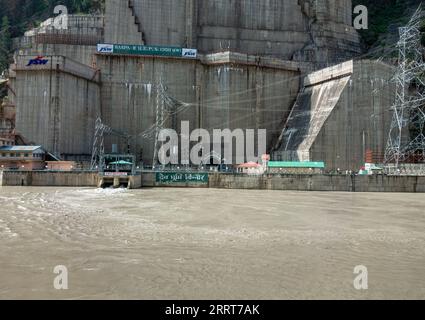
[[105, 48], [37, 61], [189, 53]]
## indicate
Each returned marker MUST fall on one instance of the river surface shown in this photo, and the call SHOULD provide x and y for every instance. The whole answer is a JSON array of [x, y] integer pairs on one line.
[[210, 244]]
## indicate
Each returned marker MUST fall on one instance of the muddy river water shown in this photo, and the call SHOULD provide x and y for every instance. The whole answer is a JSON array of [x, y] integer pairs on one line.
[[210, 244]]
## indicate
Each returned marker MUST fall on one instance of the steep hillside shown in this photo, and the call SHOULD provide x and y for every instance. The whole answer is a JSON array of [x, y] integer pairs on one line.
[[384, 17], [16, 16], [23, 14]]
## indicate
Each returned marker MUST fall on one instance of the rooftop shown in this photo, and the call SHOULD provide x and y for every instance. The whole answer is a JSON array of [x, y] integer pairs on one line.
[[286, 164], [20, 148]]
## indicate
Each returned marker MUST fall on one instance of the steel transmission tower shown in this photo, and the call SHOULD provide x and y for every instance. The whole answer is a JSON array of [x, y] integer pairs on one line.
[[98, 151], [406, 141], [159, 122], [167, 109], [98, 144]]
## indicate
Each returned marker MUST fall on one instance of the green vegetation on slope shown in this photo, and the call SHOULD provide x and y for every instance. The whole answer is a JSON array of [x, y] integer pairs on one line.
[[382, 14], [17, 16], [25, 14]]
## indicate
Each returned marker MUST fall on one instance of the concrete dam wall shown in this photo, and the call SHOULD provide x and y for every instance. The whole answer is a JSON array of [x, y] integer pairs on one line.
[[310, 30], [252, 58], [216, 92], [340, 114], [77, 42], [58, 103]]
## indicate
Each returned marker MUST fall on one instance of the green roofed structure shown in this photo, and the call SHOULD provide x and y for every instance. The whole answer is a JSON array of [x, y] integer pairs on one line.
[[296, 167], [122, 163]]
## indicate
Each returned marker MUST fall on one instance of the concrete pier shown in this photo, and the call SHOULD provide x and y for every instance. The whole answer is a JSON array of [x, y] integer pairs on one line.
[[131, 182]]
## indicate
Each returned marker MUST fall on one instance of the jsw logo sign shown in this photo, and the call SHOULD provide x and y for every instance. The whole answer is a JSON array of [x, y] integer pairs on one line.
[[37, 61], [105, 48], [190, 53]]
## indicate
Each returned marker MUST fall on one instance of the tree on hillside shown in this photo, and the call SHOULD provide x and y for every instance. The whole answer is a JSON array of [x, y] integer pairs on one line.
[[5, 44], [382, 14]]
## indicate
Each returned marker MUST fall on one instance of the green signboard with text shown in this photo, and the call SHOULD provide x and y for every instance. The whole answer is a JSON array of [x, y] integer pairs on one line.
[[130, 49], [177, 177]]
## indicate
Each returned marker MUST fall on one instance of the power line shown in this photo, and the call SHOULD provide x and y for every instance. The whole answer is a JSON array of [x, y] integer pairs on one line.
[[404, 144]]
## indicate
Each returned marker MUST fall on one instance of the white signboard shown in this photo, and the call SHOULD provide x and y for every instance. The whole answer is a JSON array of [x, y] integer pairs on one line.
[[189, 53], [115, 174], [105, 48]]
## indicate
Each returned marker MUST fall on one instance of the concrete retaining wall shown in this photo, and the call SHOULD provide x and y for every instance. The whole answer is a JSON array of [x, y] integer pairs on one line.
[[59, 179], [340, 183], [49, 179]]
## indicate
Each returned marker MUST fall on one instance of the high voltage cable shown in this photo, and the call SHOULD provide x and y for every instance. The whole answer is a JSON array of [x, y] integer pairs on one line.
[[244, 92], [186, 105]]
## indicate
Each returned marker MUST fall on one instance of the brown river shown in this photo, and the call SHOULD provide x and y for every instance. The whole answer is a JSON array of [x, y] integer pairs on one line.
[[210, 244]]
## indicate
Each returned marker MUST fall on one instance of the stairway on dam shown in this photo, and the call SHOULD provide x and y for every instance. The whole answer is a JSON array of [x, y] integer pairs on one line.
[[122, 22], [136, 19]]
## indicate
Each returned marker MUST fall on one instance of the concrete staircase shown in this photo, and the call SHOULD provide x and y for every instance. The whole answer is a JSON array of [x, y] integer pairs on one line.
[[122, 25], [137, 20], [133, 12]]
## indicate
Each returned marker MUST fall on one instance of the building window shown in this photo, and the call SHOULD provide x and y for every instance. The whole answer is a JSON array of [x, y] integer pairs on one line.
[[26, 155]]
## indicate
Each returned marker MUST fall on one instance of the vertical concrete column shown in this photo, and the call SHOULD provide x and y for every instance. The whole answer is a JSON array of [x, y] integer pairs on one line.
[[116, 182], [190, 23], [100, 183], [199, 98], [258, 95]]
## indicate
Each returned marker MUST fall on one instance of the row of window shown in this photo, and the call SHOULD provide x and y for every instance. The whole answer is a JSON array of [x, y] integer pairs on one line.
[[20, 155], [6, 143]]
